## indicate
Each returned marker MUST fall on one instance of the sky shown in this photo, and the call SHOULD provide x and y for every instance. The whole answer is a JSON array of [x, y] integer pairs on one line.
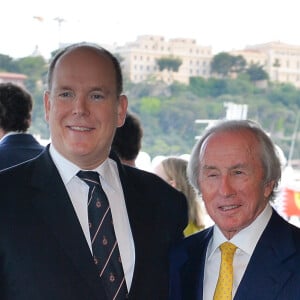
[[222, 24]]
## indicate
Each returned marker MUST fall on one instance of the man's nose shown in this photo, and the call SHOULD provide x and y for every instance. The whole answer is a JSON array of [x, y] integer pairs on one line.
[[81, 106], [226, 189]]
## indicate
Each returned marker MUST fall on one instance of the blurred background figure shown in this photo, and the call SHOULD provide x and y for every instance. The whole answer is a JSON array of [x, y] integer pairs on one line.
[[173, 171], [16, 145], [127, 142]]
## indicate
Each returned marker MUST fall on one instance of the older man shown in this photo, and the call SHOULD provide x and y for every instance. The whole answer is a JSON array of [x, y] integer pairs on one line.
[[250, 252]]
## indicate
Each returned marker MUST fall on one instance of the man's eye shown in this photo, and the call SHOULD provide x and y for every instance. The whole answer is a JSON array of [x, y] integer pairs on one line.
[[212, 175], [237, 172], [97, 97], [65, 94]]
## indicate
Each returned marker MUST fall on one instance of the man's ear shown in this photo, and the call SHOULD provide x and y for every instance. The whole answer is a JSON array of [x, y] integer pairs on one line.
[[46, 105], [268, 188], [122, 109]]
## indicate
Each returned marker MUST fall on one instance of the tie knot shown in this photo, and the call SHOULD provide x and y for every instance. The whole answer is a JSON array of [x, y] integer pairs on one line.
[[89, 177], [228, 248]]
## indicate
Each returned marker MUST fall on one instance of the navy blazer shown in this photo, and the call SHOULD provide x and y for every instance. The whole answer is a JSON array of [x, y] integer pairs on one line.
[[17, 148], [43, 251], [273, 271]]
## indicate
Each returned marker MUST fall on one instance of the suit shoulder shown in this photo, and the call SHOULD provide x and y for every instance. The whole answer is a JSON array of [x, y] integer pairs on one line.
[[150, 183], [190, 245], [145, 178], [156, 192], [20, 172], [193, 240]]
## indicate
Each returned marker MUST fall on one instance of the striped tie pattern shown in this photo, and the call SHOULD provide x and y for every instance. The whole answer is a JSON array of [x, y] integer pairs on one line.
[[224, 285], [104, 243]]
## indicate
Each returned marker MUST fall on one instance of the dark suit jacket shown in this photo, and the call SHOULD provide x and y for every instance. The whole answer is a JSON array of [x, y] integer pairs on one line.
[[43, 251], [272, 273], [18, 148]]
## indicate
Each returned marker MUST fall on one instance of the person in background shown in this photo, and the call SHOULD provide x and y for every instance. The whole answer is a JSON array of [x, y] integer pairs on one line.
[[251, 252], [174, 171], [16, 145], [49, 243], [127, 141]]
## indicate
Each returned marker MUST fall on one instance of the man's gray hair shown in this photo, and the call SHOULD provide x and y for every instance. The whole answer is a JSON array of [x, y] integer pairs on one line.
[[268, 155]]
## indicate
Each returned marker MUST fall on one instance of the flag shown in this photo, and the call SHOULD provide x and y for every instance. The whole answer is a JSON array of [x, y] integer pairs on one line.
[[291, 202]]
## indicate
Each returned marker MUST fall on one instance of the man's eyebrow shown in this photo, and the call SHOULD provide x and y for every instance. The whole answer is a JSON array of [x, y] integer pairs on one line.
[[208, 167], [213, 167], [97, 88], [238, 166], [62, 88]]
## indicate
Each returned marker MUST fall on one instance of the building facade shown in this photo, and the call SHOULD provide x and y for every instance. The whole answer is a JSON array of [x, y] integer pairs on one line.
[[281, 61], [139, 59]]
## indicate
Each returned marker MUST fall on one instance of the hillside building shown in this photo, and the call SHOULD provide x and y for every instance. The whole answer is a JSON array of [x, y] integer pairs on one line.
[[139, 59], [281, 61]]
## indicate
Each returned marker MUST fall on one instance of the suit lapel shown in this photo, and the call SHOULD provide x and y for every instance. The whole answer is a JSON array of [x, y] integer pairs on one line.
[[148, 235], [136, 209], [267, 266], [192, 274], [53, 206], [137, 214]]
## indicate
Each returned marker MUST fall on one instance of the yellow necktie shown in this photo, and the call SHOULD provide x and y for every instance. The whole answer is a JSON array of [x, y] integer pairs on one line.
[[224, 285]]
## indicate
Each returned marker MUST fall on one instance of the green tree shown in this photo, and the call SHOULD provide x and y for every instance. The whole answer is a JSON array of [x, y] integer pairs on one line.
[[221, 64], [217, 87], [238, 64], [225, 64], [198, 86], [150, 105], [256, 73], [7, 64], [169, 63], [33, 66]]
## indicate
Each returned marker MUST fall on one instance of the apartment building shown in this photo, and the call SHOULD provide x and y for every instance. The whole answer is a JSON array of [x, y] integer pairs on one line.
[[139, 59], [281, 61], [252, 56]]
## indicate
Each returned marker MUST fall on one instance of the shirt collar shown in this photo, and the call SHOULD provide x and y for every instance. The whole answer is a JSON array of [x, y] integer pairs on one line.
[[11, 133], [68, 170], [247, 238]]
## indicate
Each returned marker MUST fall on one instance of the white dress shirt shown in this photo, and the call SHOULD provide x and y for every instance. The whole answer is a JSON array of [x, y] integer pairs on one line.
[[245, 240], [78, 192]]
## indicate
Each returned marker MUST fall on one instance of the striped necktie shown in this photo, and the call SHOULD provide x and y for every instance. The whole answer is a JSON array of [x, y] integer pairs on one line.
[[104, 243], [224, 285]]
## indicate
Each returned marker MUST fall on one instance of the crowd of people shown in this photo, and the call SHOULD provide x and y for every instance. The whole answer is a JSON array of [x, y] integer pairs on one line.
[[80, 220]]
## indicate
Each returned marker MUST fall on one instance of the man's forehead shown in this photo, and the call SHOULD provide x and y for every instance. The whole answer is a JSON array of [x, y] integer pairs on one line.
[[241, 144]]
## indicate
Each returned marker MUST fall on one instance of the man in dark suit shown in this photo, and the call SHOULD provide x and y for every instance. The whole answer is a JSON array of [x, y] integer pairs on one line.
[[46, 251], [235, 167], [16, 145]]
